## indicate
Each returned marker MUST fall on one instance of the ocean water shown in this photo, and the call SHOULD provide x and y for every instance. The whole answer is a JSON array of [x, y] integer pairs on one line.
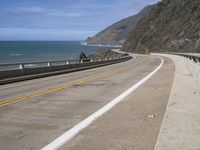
[[28, 51]]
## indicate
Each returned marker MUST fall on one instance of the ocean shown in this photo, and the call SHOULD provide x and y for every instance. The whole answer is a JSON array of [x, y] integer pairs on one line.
[[29, 51]]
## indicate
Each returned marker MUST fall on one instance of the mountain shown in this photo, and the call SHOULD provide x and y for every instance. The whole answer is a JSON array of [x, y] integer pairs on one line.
[[117, 33], [171, 25]]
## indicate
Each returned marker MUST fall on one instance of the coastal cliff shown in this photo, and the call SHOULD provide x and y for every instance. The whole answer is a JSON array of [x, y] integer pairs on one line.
[[171, 25], [117, 33]]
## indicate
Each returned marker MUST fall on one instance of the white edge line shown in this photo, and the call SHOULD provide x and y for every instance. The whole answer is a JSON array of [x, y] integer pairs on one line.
[[68, 135]]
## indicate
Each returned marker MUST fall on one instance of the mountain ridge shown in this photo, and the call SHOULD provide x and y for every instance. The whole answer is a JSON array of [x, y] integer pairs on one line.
[[171, 25], [117, 33]]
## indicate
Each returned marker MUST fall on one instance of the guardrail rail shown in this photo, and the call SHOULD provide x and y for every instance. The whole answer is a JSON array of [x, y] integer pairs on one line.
[[192, 63], [193, 57], [13, 72]]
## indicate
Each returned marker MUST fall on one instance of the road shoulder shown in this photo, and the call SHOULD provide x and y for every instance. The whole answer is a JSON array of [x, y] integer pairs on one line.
[[135, 122], [180, 129]]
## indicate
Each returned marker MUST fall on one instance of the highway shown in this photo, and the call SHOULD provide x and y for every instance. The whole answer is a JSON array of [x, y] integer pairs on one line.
[[33, 113]]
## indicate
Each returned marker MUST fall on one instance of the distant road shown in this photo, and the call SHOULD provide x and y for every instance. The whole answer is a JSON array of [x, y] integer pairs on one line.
[[34, 113]]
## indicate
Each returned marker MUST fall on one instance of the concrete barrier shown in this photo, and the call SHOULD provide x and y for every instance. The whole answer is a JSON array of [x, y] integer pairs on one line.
[[180, 127], [194, 69], [15, 75], [192, 63]]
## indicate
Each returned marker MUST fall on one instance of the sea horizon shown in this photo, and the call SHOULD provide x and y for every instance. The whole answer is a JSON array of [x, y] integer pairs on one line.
[[37, 50]]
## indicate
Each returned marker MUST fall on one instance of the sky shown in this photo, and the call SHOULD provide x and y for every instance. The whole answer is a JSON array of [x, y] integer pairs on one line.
[[62, 19]]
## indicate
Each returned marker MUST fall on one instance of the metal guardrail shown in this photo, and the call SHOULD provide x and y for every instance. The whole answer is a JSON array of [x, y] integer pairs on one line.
[[192, 57], [39, 64], [192, 63]]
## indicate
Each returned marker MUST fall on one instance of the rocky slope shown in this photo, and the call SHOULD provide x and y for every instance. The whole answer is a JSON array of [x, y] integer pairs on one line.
[[172, 25], [105, 53], [117, 33]]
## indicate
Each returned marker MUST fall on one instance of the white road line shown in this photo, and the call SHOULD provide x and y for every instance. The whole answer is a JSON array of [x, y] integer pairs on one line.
[[68, 135]]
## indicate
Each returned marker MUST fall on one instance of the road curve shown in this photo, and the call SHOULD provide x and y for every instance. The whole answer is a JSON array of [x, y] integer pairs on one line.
[[33, 113]]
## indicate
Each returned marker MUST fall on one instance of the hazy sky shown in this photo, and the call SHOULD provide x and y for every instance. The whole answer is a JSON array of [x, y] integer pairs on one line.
[[62, 19]]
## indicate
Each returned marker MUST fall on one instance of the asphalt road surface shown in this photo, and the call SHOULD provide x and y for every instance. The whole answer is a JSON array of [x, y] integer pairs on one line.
[[33, 113]]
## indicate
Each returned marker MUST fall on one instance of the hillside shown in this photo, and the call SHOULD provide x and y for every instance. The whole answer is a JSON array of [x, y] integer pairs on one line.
[[172, 25], [105, 53], [117, 33]]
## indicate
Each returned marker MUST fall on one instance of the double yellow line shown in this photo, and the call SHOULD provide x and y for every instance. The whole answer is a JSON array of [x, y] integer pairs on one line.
[[63, 86]]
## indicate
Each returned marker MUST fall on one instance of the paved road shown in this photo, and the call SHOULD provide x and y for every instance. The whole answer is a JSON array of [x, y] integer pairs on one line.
[[33, 113]]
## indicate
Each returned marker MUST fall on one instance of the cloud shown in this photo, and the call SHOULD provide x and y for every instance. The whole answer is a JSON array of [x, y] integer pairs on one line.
[[62, 14], [80, 6], [35, 9], [44, 34], [63, 18], [45, 11], [10, 31]]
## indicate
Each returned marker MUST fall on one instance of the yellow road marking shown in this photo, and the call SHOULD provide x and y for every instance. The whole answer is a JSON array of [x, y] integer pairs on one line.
[[63, 86]]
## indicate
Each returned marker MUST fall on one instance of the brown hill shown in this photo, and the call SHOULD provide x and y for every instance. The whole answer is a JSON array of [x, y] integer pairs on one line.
[[172, 25], [117, 33]]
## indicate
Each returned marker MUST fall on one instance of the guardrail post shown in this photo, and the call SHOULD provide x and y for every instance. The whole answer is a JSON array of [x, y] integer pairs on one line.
[[193, 58], [21, 66], [49, 64]]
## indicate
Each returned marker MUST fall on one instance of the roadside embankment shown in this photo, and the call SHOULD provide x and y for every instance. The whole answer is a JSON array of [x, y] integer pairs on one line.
[[180, 128], [107, 53]]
